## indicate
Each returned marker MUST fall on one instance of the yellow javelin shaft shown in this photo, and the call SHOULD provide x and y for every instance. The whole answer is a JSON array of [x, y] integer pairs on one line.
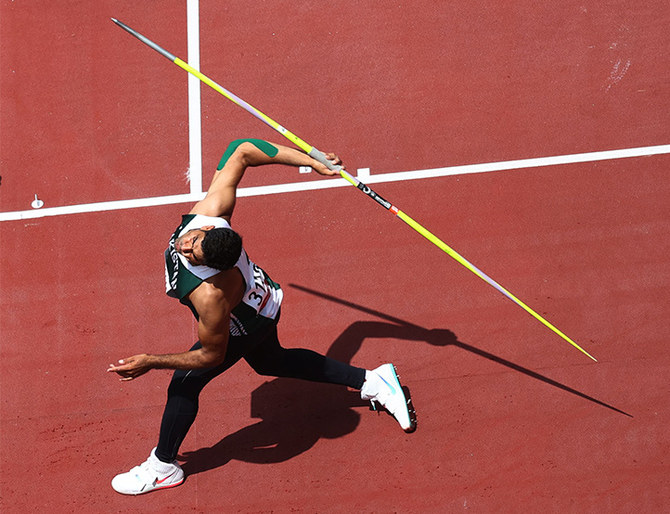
[[229, 95], [237, 100], [443, 246], [320, 156], [458, 258]]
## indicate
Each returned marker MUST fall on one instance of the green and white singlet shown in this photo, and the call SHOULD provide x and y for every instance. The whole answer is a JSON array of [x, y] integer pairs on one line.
[[262, 297]]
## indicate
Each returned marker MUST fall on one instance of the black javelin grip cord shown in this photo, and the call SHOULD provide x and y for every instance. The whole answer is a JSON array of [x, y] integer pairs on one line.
[[384, 203], [321, 157]]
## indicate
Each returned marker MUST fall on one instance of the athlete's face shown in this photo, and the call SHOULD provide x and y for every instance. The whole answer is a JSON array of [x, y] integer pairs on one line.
[[190, 245]]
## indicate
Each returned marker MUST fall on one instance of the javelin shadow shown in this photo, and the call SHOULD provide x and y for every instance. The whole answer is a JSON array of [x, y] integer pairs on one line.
[[440, 337], [296, 414]]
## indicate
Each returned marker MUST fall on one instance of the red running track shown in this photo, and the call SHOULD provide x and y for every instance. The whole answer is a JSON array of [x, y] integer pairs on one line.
[[511, 417]]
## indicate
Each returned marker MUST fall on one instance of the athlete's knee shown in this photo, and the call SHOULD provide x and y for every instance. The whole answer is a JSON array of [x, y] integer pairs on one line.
[[185, 385]]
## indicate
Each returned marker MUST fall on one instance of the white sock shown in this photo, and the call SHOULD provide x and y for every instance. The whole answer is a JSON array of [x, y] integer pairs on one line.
[[159, 465]]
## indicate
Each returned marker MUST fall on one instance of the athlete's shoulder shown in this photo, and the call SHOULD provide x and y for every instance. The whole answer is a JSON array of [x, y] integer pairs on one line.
[[226, 287]]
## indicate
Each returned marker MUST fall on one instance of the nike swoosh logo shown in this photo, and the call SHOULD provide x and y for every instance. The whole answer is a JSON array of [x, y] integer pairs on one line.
[[158, 482], [393, 391]]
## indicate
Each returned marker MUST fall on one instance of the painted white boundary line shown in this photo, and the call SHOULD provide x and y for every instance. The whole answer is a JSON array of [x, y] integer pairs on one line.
[[194, 115], [522, 163], [331, 183], [100, 207]]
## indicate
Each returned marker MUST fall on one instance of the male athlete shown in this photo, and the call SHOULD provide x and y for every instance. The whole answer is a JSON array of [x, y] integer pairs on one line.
[[237, 308]]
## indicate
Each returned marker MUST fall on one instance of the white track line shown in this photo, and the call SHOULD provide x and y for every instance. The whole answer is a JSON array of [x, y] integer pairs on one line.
[[331, 183], [194, 116]]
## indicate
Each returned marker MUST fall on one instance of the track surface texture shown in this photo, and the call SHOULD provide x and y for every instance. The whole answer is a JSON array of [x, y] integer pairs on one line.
[[511, 417]]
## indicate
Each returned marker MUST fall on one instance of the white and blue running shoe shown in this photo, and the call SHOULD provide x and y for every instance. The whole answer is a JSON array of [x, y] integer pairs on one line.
[[382, 387]]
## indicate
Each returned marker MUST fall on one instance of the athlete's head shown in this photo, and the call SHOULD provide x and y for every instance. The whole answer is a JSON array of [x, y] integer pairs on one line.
[[217, 248], [221, 247]]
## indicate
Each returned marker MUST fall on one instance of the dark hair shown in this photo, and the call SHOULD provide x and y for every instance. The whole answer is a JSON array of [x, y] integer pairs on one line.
[[221, 247]]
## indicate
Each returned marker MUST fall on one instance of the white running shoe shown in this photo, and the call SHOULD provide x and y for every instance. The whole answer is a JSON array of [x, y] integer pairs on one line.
[[152, 474], [382, 386]]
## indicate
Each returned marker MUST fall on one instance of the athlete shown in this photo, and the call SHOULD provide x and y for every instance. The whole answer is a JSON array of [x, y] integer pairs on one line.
[[237, 308]]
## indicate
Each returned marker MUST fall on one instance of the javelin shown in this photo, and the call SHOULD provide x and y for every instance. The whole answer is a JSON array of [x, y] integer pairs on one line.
[[321, 157]]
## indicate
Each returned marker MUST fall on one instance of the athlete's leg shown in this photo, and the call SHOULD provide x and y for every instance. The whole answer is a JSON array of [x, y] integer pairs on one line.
[[268, 357], [183, 401], [380, 385]]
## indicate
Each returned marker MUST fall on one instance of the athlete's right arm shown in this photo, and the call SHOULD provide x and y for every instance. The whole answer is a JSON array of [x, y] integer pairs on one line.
[[213, 326], [213, 300], [213, 308], [222, 193]]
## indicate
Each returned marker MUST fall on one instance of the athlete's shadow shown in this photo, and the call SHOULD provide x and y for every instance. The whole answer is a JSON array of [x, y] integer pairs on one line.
[[295, 414]]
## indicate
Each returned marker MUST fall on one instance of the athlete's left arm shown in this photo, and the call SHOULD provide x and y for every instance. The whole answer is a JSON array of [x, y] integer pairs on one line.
[[241, 154]]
